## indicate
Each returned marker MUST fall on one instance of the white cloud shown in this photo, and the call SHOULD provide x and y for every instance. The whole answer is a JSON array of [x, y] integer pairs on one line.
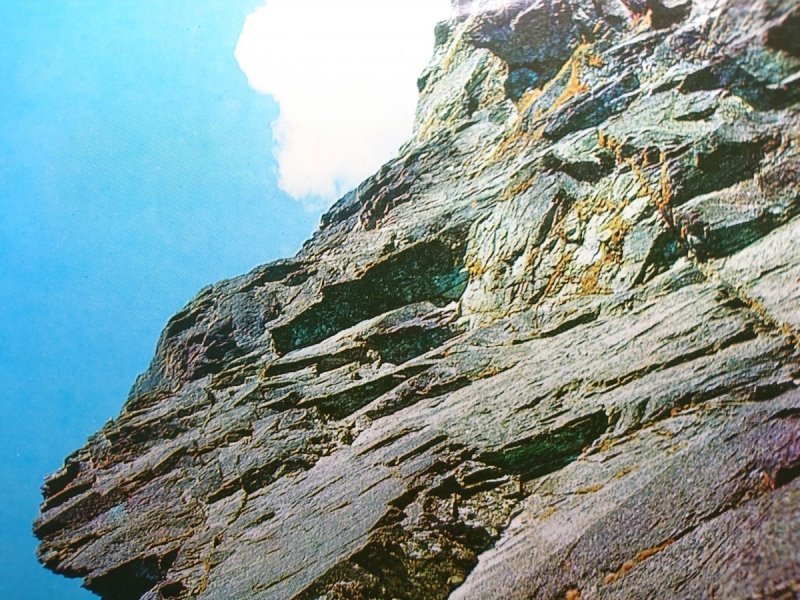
[[343, 73]]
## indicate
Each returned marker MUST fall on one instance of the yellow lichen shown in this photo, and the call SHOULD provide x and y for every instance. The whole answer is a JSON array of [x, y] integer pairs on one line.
[[590, 489], [475, 269], [618, 228], [548, 512], [626, 471], [456, 44]]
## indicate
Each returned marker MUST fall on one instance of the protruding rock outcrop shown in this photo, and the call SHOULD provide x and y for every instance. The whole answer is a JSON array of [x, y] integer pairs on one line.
[[550, 351]]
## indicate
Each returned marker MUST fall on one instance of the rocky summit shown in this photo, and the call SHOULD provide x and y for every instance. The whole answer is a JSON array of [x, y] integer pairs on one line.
[[552, 350]]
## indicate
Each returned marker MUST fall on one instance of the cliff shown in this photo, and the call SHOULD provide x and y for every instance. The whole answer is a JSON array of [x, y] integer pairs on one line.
[[550, 351]]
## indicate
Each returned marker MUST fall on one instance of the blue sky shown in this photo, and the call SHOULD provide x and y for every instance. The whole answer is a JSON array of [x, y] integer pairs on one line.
[[135, 168]]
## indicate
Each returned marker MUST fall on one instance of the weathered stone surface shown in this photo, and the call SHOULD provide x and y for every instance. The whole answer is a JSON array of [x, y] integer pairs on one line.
[[550, 351]]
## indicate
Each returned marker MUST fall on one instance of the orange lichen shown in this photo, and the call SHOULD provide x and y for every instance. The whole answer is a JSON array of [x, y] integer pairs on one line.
[[202, 586], [607, 443], [556, 280], [609, 142], [489, 371], [595, 60], [618, 228], [518, 138], [575, 85], [641, 20], [679, 447], [665, 185], [590, 282], [611, 249], [573, 594], [767, 321], [527, 99], [629, 565], [571, 70], [517, 187]]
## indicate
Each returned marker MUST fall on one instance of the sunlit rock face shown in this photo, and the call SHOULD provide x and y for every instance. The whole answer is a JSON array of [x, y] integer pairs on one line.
[[550, 351]]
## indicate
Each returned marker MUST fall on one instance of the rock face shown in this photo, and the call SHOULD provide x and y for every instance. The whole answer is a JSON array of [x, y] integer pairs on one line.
[[550, 351]]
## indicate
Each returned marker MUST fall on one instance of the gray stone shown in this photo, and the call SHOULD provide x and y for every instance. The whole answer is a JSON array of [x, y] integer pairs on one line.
[[550, 351]]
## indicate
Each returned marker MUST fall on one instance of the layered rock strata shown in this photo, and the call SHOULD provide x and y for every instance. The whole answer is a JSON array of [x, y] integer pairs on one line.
[[550, 351]]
